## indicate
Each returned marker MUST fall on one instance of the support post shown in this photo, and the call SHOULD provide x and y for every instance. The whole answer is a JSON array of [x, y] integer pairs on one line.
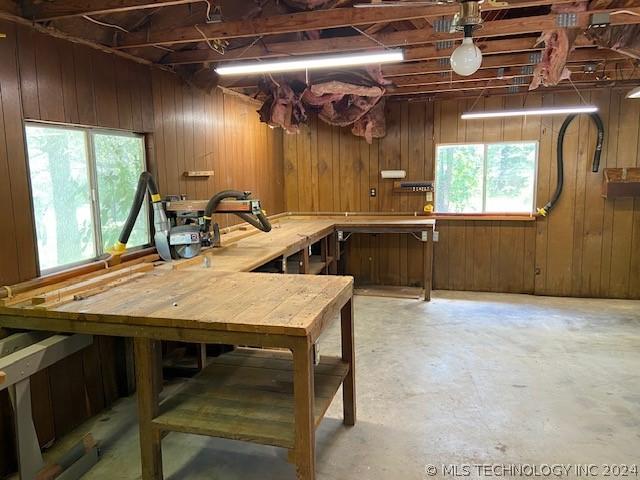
[[428, 265], [146, 353], [303, 391], [348, 355], [29, 456]]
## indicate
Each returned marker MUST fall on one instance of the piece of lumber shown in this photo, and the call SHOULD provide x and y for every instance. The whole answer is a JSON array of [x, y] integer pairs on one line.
[[80, 287], [85, 293], [3, 377], [44, 287], [76, 273]]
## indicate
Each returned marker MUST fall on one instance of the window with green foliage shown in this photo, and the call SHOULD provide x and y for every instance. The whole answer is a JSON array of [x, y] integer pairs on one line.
[[82, 183], [486, 177]]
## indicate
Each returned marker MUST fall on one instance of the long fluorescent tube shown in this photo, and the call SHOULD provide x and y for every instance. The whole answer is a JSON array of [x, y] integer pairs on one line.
[[635, 93], [528, 111], [312, 63]]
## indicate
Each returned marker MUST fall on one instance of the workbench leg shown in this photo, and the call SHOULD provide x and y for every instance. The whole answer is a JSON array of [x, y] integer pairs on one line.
[[303, 391], [29, 456], [334, 252], [146, 353], [304, 260], [349, 356], [428, 268]]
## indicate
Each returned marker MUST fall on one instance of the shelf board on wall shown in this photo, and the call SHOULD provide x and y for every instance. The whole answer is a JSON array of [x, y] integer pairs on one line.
[[198, 173]]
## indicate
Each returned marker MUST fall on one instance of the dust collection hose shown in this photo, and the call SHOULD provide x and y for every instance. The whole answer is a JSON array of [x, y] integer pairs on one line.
[[259, 221], [560, 165], [145, 182]]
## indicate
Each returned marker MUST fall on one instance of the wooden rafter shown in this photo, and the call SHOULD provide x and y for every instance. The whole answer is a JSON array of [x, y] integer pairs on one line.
[[44, 11], [489, 84], [299, 22], [498, 28], [428, 73]]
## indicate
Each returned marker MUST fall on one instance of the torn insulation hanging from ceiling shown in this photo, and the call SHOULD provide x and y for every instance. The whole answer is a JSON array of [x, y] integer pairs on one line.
[[348, 99], [558, 43]]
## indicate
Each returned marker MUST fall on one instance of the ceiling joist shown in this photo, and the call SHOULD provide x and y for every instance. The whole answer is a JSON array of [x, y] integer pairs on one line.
[[300, 22], [46, 11], [498, 28]]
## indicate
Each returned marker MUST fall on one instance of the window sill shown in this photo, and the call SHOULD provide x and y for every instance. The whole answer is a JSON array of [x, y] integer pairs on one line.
[[514, 217]]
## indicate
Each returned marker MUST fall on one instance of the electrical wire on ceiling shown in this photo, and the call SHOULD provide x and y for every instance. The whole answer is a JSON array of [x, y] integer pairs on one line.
[[122, 29], [105, 24]]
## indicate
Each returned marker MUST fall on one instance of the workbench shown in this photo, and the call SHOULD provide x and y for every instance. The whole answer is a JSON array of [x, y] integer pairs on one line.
[[292, 233], [268, 397], [274, 396]]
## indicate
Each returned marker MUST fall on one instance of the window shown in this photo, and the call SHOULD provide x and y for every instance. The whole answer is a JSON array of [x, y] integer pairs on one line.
[[83, 182], [486, 177]]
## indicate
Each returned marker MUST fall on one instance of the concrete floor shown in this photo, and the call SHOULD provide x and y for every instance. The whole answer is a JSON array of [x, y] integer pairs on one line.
[[469, 378]]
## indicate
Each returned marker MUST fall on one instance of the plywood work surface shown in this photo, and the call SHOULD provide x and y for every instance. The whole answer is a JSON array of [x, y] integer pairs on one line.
[[210, 300], [216, 290], [289, 235]]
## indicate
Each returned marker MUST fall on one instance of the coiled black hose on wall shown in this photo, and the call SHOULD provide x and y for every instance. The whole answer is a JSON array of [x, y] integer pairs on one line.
[[259, 221], [544, 211]]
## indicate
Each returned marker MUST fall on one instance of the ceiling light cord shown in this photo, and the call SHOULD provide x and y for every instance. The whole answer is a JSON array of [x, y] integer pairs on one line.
[[370, 37], [105, 24], [209, 42]]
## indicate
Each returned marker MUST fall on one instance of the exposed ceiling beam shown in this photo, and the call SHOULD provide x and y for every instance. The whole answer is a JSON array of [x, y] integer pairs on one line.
[[516, 26], [507, 92], [502, 73], [425, 73], [500, 60], [576, 78], [300, 22], [44, 11]]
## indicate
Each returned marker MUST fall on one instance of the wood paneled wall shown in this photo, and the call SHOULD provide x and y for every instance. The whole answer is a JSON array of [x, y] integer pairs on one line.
[[588, 246], [48, 79], [219, 132]]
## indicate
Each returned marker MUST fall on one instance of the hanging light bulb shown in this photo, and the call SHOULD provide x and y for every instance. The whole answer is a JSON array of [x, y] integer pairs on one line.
[[467, 58]]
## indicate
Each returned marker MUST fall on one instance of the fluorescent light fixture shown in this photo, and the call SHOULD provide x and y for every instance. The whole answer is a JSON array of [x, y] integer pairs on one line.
[[312, 63], [529, 111], [635, 93]]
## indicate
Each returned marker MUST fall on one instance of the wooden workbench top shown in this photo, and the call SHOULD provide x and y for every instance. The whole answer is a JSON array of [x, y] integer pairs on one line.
[[214, 291], [206, 299], [245, 251]]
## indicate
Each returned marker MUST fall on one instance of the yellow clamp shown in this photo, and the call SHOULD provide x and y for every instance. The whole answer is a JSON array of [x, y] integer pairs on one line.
[[542, 212], [118, 249], [155, 198]]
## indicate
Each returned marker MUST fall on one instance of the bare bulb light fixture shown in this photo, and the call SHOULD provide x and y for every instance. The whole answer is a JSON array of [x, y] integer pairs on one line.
[[467, 58]]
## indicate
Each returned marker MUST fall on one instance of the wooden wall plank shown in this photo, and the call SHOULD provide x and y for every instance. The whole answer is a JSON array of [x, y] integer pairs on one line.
[[584, 247]]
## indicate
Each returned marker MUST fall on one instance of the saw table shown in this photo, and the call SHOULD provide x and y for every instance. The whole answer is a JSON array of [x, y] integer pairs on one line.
[[274, 397]]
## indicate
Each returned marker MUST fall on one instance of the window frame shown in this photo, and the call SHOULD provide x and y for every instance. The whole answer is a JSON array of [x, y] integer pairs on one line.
[[89, 133], [484, 174]]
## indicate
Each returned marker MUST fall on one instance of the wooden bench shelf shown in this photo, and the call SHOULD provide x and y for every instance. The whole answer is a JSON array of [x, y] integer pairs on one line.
[[248, 395]]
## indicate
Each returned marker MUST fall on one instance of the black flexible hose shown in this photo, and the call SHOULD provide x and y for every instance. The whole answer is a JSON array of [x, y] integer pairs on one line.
[[560, 164], [145, 181], [258, 221]]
